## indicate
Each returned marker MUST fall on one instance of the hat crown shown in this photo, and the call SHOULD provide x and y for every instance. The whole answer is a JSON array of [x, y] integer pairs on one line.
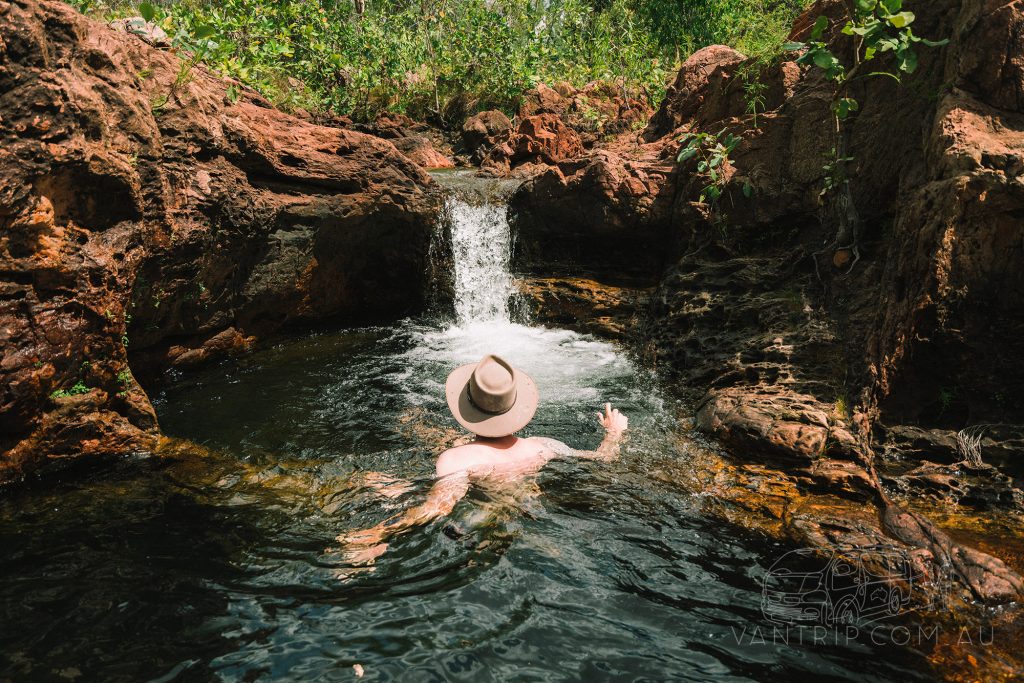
[[492, 386]]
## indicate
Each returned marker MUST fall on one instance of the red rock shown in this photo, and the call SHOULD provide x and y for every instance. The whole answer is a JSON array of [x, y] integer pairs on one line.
[[483, 131], [200, 219], [543, 100], [541, 139], [685, 96], [420, 150]]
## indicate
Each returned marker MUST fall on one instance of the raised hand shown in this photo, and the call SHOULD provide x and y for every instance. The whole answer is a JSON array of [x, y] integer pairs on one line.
[[612, 420]]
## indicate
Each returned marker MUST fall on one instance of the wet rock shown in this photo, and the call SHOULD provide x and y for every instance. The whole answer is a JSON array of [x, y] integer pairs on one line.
[[598, 212], [146, 212], [226, 343], [980, 486], [922, 444], [583, 304], [987, 577], [842, 478], [772, 420]]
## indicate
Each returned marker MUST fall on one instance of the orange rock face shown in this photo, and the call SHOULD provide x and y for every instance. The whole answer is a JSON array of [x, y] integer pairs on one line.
[[163, 216]]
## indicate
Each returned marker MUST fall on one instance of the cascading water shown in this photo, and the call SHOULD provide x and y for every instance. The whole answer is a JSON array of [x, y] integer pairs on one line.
[[481, 253]]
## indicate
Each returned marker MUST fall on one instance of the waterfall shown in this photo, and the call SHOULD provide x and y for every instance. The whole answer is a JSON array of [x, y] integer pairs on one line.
[[481, 251]]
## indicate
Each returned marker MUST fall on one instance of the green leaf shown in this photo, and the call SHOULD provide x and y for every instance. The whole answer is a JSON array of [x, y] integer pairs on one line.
[[844, 106], [748, 190], [908, 60], [824, 59], [820, 24], [793, 46], [147, 11], [204, 32], [686, 154], [932, 43], [702, 166], [902, 20], [891, 6], [866, 6], [887, 44]]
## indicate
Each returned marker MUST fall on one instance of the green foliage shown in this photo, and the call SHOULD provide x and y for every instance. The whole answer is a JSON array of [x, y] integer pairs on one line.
[[835, 172], [414, 58], [756, 28], [711, 150], [754, 95], [77, 389], [880, 27]]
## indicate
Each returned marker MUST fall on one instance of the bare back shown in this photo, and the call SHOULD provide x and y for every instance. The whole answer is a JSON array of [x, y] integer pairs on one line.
[[505, 458]]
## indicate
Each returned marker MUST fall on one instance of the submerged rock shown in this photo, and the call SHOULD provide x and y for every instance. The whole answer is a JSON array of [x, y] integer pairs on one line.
[[173, 217]]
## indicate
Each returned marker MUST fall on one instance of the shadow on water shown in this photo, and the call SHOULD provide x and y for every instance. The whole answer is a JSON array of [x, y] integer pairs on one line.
[[219, 561]]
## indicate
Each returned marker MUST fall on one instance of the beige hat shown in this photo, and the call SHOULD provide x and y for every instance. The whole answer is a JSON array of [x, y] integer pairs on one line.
[[491, 398]]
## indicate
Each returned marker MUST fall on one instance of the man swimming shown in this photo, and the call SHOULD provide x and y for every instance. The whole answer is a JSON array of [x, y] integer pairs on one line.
[[492, 400]]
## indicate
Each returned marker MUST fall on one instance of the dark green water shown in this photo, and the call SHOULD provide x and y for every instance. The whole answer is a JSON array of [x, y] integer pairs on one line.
[[215, 565], [217, 560]]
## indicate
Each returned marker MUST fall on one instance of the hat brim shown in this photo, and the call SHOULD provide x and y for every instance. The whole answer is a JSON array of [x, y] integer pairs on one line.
[[488, 425]]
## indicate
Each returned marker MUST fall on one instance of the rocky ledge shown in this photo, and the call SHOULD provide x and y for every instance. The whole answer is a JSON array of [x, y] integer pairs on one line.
[[151, 208]]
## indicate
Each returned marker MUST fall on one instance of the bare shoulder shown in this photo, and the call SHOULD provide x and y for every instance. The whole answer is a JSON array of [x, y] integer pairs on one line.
[[457, 459]]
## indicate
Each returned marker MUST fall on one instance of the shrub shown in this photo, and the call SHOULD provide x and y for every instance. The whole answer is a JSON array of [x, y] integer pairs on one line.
[[413, 58]]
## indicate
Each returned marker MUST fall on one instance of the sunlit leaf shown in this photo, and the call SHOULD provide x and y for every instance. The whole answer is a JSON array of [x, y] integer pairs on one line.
[[147, 11], [902, 19]]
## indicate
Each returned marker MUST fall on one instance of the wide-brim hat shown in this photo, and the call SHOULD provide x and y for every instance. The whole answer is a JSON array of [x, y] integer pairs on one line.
[[491, 398]]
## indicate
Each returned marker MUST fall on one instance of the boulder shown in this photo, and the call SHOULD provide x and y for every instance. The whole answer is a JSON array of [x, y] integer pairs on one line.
[[483, 131], [543, 100], [541, 140], [420, 150], [598, 214], [700, 75]]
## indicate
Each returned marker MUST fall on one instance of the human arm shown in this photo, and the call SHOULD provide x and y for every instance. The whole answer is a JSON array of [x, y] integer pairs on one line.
[[614, 423], [365, 546]]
